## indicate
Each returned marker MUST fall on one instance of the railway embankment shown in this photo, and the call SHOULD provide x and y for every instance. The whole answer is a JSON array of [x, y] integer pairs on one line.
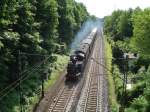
[[56, 76], [114, 107]]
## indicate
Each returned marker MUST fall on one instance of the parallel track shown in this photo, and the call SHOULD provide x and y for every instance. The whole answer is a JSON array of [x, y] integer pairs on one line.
[[62, 99], [93, 94]]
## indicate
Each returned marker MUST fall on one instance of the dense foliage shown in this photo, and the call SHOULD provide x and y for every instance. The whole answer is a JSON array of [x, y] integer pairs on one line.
[[141, 37], [33, 27], [128, 32], [111, 84], [121, 26]]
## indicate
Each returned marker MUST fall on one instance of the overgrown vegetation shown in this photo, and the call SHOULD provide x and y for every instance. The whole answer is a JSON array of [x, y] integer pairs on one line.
[[112, 97], [128, 32], [38, 29], [57, 68]]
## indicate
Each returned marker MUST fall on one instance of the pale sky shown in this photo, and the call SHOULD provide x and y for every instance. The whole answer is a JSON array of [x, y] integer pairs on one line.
[[101, 8]]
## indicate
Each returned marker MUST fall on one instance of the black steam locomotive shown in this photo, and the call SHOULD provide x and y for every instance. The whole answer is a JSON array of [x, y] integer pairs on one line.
[[80, 56]]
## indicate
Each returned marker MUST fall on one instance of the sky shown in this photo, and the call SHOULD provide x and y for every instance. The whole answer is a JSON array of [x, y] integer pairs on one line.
[[101, 8]]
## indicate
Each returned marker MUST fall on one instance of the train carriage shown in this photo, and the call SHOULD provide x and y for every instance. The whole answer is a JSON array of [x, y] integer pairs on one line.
[[80, 57]]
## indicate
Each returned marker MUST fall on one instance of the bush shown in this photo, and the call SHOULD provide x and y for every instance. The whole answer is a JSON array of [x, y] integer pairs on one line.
[[140, 104], [118, 82], [130, 110]]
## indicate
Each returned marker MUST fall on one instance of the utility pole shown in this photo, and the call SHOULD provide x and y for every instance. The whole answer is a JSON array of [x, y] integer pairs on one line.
[[124, 83], [42, 78], [126, 78], [121, 109], [42, 85], [19, 74]]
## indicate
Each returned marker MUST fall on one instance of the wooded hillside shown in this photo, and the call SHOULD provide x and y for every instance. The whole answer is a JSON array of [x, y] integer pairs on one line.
[[42, 27], [128, 32]]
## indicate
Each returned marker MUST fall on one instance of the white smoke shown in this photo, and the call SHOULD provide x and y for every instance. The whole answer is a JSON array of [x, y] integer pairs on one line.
[[84, 31]]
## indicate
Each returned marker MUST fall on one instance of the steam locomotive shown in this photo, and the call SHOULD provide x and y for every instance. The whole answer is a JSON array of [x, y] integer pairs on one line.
[[80, 56]]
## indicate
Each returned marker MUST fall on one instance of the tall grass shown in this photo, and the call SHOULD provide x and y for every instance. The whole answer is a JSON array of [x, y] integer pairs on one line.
[[114, 107], [57, 67]]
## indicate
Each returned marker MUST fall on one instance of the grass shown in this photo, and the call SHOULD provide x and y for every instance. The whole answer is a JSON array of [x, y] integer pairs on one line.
[[58, 67], [114, 106]]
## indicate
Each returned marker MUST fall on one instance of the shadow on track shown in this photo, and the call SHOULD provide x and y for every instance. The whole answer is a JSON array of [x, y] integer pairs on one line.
[[72, 81]]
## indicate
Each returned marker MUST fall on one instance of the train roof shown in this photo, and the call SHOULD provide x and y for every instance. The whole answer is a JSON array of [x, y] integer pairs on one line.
[[85, 44], [93, 32], [86, 41], [83, 48]]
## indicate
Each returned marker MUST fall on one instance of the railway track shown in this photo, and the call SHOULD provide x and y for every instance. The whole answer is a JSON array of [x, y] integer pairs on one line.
[[87, 95], [61, 101], [67, 96], [93, 97]]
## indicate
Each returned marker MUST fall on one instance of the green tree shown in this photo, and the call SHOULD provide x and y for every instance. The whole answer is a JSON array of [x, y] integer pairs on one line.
[[80, 14], [67, 21], [141, 35], [111, 25], [33, 26], [147, 89], [47, 16], [27, 27], [125, 24], [119, 24], [8, 39]]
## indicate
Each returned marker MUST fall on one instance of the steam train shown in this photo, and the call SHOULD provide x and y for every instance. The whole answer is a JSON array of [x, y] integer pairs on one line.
[[80, 56]]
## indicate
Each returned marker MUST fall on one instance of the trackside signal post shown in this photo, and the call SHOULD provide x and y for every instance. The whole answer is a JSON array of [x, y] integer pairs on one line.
[[123, 99], [126, 57]]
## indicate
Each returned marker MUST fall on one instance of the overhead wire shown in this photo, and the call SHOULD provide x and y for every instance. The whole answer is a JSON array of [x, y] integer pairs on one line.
[[22, 78], [15, 80], [32, 54], [104, 66], [18, 83]]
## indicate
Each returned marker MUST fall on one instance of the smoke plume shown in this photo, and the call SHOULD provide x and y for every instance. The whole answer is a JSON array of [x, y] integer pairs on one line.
[[84, 31]]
